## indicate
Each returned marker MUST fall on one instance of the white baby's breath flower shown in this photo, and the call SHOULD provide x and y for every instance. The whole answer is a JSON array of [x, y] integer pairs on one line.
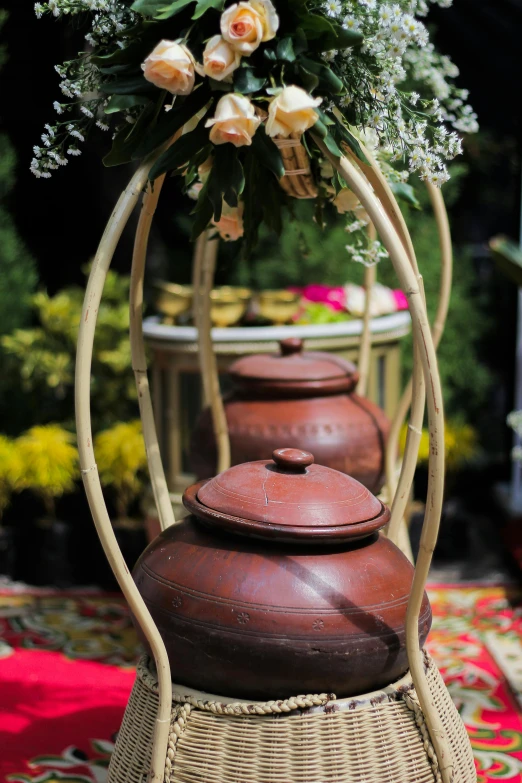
[[333, 7]]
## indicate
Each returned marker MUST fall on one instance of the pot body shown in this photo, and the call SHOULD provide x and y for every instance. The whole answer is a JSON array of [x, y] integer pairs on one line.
[[260, 620], [343, 431]]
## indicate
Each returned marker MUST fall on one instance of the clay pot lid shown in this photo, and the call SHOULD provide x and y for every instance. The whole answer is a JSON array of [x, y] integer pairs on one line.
[[288, 499], [295, 370]]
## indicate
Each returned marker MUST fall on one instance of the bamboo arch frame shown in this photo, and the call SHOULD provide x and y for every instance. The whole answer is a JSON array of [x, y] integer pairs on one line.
[[409, 281], [414, 393]]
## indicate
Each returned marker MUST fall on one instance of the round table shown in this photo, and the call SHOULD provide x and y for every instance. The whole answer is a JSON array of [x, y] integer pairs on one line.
[[176, 384]]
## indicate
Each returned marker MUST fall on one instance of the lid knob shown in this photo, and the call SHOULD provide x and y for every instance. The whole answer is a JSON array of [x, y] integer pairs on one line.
[[290, 346], [293, 460]]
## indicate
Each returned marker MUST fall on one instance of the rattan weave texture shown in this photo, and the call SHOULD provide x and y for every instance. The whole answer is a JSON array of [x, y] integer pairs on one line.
[[375, 738]]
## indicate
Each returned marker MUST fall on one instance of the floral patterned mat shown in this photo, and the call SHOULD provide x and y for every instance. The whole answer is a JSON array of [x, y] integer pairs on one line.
[[67, 670]]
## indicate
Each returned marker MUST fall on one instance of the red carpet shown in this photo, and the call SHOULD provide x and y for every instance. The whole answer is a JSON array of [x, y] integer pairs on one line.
[[66, 671]]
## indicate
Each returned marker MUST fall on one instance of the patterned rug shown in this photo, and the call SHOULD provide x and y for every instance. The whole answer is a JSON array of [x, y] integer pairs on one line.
[[67, 670]]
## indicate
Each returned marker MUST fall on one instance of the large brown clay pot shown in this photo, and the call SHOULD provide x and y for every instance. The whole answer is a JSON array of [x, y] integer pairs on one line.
[[300, 400], [279, 583]]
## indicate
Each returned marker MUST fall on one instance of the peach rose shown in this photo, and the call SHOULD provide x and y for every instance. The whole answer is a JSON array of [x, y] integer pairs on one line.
[[235, 121], [170, 66], [219, 59], [246, 25], [292, 111], [230, 226], [346, 201]]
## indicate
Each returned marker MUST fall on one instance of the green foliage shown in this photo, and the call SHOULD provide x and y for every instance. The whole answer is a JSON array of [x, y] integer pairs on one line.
[[303, 254], [122, 460], [44, 356], [48, 463], [465, 381], [18, 276]]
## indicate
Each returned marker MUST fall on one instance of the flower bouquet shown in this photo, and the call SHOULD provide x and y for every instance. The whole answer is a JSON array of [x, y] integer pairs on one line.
[[237, 98]]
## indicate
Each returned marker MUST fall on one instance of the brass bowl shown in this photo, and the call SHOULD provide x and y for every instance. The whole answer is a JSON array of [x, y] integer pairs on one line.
[[172, 299], [228, 305], [279, 306]]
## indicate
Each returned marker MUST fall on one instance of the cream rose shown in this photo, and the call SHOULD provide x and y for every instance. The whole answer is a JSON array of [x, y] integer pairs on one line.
[[292, 111], [346, 201], [235, 121], [246, 25], [230, 226], [220, 59], [170, 66]]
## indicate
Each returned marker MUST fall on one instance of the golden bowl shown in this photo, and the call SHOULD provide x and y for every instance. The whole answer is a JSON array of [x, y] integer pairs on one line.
[[228, 304], [172, 299], [279, 306]]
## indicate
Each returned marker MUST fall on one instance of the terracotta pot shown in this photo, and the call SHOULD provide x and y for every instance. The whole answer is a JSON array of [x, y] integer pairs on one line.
[[301, 400], [279, 583]]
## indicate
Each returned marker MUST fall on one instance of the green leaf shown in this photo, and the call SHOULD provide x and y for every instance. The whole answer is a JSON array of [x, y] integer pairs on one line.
[[167, 11], [268, 153], [203, 6], [132, 85], [315, 26], [114, 70], [300, 41], [148, 7], [285, 50], [352, 142], [310, 80], [124, 102], [327, 78], [406, 193], [327, 137], [252, 210], [180, 152], [324, 35], [203, 210], [217, 86], [508, 258], [227, 180], [245, 82], [132, 54], [171, 121], [128, 139]]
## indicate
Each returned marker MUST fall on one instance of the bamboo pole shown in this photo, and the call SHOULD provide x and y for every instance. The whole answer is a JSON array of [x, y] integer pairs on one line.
[[203, 279], [415, 392], [412, 390], [410, 284], [370, 275], [89, 471], [139, 358]]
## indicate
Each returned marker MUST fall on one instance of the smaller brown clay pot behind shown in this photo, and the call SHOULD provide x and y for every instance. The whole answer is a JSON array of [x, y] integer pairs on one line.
[[302, 400]]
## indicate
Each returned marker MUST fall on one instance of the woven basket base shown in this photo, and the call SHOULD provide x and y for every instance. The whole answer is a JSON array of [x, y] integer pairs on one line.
[[375, 738]]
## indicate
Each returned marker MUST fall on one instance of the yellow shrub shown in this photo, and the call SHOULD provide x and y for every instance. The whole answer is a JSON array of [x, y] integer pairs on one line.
[[121, 457], [48, 460], [460, 444], [10, 468]]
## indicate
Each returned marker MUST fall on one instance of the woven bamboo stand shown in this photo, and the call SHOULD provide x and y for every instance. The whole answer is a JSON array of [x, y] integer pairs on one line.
[[409, 734]]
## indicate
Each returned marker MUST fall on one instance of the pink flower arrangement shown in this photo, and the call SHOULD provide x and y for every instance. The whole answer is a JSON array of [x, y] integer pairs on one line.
[[351, 298], [334, 296]]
